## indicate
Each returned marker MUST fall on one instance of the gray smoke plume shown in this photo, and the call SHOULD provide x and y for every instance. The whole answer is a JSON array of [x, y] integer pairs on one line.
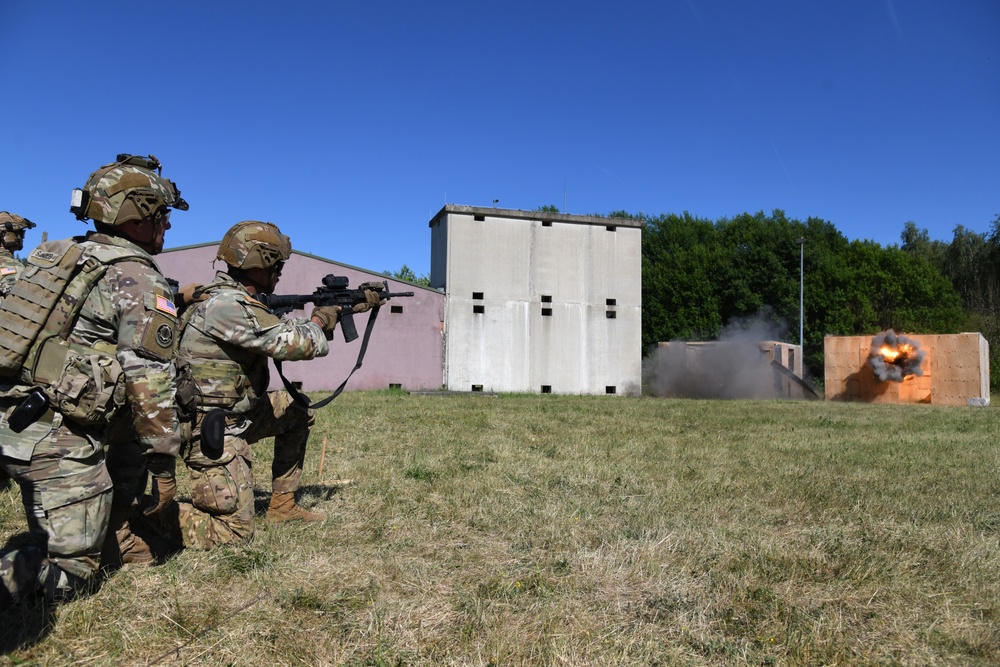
[[737, 365], [894, 356]]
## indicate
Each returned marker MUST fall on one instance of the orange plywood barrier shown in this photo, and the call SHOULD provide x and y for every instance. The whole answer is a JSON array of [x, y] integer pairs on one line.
[[955, 370]]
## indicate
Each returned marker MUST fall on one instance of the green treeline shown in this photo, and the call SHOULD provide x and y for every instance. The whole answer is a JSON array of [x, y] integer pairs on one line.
[[699, 276]]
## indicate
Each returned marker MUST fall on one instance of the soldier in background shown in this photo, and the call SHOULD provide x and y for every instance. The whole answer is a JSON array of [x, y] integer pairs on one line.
[[121, 321], [225, 339], [13, 228]]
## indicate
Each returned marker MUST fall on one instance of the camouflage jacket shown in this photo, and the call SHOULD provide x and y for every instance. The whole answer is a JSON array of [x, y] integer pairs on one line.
[[10, 269], [131, 308], [226, 338]]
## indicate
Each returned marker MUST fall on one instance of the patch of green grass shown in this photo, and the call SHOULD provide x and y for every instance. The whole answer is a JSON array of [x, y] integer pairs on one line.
[[420, 471], [555, 530], [243, 559]]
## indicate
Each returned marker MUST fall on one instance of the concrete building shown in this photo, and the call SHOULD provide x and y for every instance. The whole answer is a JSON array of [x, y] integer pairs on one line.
[[405, 349], [539, 302]]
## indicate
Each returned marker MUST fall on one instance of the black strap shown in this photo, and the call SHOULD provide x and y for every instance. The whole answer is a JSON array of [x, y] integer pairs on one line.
[[302, 400]]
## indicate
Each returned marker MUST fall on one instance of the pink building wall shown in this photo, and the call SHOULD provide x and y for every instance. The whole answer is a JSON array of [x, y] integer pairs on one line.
[[405, 348]]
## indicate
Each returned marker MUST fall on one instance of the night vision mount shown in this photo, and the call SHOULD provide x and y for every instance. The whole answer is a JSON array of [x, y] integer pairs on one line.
[[149, 162]]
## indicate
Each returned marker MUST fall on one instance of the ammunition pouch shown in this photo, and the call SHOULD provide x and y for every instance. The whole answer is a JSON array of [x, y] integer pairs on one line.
[[204, 384], [84, 384]]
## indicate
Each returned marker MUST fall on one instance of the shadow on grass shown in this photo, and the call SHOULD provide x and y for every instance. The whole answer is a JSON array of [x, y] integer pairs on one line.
[[318, 491], [28, 621], [25, 624]]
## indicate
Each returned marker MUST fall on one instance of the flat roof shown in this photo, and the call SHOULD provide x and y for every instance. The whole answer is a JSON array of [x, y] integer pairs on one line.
[[542, 216]]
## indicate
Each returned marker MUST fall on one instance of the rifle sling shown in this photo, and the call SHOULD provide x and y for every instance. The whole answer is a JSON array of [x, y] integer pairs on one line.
[[301, 400]]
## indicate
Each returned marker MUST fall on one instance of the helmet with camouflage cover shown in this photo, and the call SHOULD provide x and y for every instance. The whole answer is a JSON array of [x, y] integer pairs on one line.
[[13, 227], [131, 188], [252, 244]]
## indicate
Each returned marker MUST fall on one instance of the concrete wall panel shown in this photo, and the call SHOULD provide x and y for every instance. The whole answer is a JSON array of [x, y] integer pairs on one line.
[[543, 283]]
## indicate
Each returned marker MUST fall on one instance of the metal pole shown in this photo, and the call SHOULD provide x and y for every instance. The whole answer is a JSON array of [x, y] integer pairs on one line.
[[802, 288]]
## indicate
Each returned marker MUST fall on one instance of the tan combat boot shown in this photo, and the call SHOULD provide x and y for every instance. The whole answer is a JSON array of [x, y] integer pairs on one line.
[[283, 508], [134, 549], [121, 545]]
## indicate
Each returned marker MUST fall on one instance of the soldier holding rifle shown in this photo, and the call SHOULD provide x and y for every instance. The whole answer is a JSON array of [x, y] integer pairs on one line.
[[226, 337]]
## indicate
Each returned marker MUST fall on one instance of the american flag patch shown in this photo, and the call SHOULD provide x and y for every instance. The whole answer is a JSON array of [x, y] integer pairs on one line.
[[7, 270], [165, 305]]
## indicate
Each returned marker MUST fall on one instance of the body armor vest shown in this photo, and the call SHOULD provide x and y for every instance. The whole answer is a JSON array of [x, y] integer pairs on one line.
[[206, 383], [84, 383]]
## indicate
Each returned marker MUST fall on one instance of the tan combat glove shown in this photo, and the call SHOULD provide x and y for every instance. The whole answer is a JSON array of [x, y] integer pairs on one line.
[[326, 317], [372, 297], [189, 294]]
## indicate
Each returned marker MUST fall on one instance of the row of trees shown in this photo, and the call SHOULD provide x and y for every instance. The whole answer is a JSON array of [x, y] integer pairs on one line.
[[699, 276]]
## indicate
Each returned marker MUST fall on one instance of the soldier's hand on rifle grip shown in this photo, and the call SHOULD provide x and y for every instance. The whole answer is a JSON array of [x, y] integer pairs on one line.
[[326, 317], [186, 295], [372, 300]]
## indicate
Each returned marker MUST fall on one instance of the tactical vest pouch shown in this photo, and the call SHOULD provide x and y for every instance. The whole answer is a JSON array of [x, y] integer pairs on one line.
[[82, 383], [219, 384], [27, 307]]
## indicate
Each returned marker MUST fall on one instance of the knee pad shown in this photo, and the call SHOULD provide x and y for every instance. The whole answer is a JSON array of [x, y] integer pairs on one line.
[[222, 489]]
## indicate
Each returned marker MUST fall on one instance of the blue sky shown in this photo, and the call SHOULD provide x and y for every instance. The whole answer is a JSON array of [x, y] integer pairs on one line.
[[351, 124]]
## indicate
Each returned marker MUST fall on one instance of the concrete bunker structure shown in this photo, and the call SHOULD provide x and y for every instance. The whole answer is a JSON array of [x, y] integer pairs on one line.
[[733, 368], [539, 301]]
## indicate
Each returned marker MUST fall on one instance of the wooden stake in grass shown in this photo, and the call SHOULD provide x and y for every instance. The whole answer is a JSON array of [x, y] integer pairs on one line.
[[322, 458]]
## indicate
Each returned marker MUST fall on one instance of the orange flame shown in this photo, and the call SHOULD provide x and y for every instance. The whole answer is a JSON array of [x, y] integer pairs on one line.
[[895, 354]]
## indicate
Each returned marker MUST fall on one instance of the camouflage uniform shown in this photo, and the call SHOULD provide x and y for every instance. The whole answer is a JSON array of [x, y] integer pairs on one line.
[[223, 352], [10, 269], [60, 465], [12, 228]]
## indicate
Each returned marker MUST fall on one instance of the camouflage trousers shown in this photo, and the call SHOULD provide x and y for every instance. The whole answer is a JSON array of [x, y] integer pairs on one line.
[[126, 463], [221, 510], [66, 493]]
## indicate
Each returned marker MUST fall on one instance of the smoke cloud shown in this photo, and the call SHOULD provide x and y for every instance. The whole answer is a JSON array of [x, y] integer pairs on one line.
[[894, 356], [735, 366]]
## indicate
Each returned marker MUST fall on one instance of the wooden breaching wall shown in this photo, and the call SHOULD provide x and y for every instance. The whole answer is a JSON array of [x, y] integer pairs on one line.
[[956, 371]]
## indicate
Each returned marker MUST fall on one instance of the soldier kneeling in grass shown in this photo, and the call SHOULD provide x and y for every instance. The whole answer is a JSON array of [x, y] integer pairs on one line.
[[226, 338]]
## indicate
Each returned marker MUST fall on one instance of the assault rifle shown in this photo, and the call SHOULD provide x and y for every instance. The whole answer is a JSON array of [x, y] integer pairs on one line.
[[333, 292]]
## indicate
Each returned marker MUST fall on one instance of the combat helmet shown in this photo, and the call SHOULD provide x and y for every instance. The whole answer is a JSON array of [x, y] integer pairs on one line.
[[130, 188], [252, 244], [13, 227]]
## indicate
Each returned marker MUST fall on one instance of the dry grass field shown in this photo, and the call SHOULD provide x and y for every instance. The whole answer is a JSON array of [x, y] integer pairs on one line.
[[553, 530]]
